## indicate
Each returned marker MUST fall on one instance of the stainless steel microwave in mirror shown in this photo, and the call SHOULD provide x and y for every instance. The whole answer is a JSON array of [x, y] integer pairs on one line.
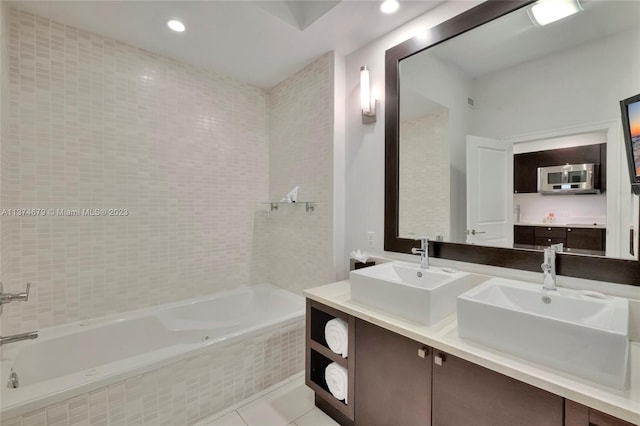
[[568, 179]]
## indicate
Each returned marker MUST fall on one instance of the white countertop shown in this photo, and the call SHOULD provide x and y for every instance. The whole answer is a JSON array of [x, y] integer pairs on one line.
[[443, 336], [563, 225]]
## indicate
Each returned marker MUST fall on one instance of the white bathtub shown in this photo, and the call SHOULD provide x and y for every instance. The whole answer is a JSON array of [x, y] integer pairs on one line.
[[79, 358]]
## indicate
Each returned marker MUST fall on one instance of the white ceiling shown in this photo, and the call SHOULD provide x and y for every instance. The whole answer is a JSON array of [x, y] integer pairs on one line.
[[259, 42], [511, 40], [514, 39]]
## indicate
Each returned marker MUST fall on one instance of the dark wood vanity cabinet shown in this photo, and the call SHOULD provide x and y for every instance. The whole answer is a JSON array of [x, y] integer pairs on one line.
[[392, 378], [402, 382], [467, 394], [581, 415], [525, 173]]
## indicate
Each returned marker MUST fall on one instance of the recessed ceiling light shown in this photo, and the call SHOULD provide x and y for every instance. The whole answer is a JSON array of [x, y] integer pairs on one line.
[[389, 6], [544, 12], [176, 26]]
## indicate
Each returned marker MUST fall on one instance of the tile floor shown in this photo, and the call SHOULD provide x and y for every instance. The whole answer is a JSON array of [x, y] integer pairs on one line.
[[289, 403]]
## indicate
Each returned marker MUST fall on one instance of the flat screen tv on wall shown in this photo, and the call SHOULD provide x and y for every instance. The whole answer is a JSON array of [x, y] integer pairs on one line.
[[631, 128]]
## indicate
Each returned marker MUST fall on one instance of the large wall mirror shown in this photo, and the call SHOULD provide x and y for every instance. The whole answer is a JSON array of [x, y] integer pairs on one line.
[[484, 115]]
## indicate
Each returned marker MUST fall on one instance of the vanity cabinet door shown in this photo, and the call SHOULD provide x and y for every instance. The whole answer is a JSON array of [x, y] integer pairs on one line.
[[581, 415], [392, 378], [467, 394]]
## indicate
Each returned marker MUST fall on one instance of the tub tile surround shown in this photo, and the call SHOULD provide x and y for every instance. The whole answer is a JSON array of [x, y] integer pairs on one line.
[[424, 184], [186, 391], [95, 123], [4, 102], [301, 153]]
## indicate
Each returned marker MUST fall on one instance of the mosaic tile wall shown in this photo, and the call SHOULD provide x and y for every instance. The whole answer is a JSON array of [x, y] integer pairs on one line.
[[186, 391], [425, 183], [4, 85], [301, 153], [179, 152]]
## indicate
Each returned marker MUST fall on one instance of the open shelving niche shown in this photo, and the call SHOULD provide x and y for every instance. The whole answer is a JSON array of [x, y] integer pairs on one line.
[[318, 356]]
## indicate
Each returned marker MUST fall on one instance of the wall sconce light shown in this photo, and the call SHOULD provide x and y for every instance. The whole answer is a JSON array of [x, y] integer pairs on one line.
[[367, 103]]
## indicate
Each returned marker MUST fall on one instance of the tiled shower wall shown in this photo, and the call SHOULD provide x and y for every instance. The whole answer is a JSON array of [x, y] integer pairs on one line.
[[97, 124], [4, 85], [425, 185], [301, 153]]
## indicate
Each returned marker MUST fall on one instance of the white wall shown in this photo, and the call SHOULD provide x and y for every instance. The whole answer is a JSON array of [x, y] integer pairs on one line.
[[365, 143], [570, 88]]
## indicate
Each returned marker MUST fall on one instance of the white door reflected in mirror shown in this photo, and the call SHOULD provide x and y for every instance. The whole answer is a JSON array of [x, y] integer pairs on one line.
[[489, 192]]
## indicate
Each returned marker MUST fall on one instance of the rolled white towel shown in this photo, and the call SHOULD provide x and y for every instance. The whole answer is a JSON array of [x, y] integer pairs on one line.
[[336, 333], [337, 381]]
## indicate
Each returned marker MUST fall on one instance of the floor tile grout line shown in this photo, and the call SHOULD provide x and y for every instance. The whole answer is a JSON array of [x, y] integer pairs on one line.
[[307, 412], [242, 418]]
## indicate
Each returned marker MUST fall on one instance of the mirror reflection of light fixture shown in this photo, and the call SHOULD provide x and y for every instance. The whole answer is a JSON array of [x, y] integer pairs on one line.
[[176, 25], [544, 12], [389, 6], [367, 103]]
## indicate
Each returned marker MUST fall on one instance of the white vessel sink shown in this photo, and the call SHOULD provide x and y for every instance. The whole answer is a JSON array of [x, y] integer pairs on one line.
[[570, 330], [404, 289]]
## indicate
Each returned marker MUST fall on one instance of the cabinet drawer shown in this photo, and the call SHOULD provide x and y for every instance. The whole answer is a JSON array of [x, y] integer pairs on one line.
[[547, 241], [550, 232]]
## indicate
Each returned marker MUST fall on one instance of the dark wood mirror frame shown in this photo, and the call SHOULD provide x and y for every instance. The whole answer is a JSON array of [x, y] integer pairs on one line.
[[589, 267]]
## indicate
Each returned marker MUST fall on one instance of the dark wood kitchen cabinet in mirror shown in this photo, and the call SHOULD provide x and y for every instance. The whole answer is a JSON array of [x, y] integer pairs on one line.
[[613, 269], [525, 173]]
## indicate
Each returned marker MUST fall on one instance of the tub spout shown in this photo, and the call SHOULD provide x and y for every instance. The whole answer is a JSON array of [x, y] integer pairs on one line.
[[18, 337]]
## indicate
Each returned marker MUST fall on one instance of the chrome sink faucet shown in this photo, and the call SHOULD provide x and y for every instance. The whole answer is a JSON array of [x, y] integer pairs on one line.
[[423, 251], [549, 267]]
